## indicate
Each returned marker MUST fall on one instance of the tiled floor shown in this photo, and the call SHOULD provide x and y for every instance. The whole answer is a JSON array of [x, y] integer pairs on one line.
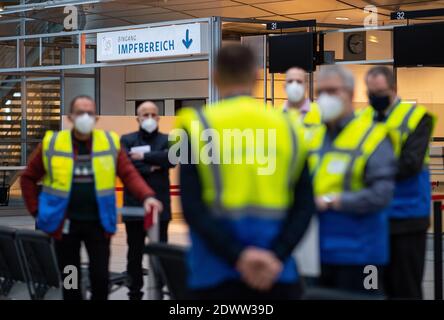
[[178, 234]]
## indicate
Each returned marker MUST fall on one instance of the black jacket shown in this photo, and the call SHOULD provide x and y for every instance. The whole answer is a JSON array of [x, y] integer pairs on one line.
[[157, 179]]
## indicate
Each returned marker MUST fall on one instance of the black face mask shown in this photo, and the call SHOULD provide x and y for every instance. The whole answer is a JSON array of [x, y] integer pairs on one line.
[[379, 103]]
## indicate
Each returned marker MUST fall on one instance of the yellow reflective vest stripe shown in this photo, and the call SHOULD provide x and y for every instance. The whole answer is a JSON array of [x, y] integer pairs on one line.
[[342, 168], [401, 122]]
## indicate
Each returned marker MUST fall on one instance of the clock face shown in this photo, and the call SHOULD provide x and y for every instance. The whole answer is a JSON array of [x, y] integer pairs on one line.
[[355, 43]]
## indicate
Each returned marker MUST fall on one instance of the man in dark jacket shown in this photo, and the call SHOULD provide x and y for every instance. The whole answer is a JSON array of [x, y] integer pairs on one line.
[[409, 212], [148, 150]]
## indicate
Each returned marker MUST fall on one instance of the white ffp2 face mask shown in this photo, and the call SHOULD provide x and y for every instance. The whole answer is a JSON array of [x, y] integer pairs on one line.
[[84, 123], [331, 107], [149, 125], [295, 91]]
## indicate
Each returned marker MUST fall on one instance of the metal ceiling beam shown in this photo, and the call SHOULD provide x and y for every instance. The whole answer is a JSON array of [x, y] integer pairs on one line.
[[15, 20], [46, 5], [92, 31], [203, 57]]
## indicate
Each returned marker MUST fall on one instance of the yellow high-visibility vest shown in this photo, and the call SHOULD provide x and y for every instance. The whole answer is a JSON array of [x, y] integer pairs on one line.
[[342, 168], [401, 122], [58, 160], [236, 187], [313, 117]]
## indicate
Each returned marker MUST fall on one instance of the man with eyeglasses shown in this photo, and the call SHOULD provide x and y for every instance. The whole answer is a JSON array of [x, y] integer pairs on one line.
[[352, 166], [411, 125], [77, 204]]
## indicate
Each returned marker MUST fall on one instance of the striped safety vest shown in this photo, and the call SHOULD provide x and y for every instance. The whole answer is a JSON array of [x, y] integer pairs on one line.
[[250, 201], [58, 160], [413, 195], [346, 237]]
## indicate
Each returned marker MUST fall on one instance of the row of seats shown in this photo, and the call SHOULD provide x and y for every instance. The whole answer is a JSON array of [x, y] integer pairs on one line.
[[29, 269], [170, 263], [27, 261]]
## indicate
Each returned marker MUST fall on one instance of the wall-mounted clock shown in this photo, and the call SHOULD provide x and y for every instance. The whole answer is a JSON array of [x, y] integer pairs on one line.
[[355, 43], [354, 46]]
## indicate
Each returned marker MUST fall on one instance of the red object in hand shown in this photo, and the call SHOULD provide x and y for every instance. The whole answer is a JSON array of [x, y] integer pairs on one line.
[[148, 220]]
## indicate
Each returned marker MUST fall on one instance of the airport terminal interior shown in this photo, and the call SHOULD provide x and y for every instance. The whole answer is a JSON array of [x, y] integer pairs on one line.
[[54, 51]]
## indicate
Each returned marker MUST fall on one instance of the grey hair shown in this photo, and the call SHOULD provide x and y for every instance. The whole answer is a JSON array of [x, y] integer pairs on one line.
[[344, 74]]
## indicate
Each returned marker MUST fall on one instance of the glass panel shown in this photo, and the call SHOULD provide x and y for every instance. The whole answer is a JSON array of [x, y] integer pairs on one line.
[[379, 44], [424, 86], [43, 107], [10, 120], [357, 46], [159, 103], [8, 54], [77, 82], [192, 103]]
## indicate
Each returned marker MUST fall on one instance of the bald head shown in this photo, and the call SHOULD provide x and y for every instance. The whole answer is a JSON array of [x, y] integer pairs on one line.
[[295, 74], [146, 110], [147, 106]]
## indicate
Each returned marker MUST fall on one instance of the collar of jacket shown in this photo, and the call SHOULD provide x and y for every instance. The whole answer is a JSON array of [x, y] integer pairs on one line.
[[147, 135], [389, 110], [342, 123]]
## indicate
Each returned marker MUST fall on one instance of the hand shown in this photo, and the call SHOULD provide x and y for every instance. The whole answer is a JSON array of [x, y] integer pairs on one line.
[[323, 203], [259, 268], [136, 155], [336, 203], [152, 204]]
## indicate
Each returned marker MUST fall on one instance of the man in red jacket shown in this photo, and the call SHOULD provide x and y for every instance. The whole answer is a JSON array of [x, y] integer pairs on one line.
[[86, 214]]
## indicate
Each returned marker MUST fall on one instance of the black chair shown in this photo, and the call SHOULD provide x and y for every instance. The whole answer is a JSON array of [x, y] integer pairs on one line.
[[40, 264], [34, 262], [168, 262], [12, 274]]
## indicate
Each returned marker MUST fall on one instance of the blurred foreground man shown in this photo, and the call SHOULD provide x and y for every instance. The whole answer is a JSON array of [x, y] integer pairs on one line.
[[78, 169], [148, 150], [409, 212], [353, 167], [295, 88], [245, 214]]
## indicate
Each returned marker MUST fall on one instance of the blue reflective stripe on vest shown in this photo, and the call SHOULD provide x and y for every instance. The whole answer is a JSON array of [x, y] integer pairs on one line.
[[353, 239], [412, 197]]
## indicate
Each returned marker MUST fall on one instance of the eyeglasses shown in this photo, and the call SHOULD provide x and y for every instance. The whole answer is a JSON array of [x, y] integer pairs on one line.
[[330, 91], [80, 112], [380, 93]]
